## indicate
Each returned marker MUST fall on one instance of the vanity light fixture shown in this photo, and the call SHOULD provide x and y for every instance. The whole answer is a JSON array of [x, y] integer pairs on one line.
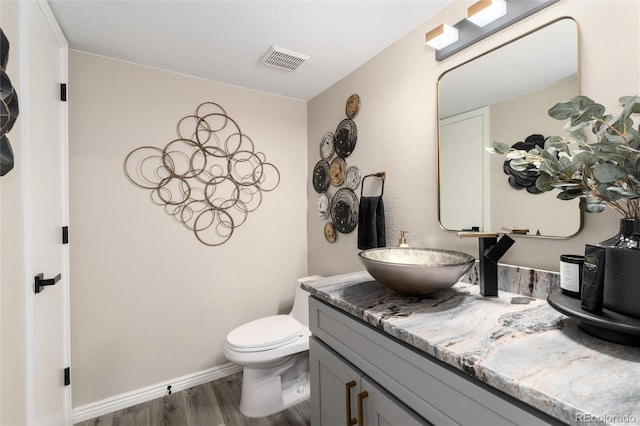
[[467, 32], [441, 36], [485, 12]]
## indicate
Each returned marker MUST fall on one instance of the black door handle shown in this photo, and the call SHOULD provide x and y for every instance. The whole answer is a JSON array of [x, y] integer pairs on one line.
[[41, 282]]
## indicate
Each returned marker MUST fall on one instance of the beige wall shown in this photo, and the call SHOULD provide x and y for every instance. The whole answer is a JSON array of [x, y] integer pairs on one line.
[[512, 121], [397, 127], [13, 314], [150, 302]]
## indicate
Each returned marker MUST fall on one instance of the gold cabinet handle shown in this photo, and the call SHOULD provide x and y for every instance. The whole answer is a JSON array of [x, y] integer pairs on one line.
[[350, 421], [361, 396]]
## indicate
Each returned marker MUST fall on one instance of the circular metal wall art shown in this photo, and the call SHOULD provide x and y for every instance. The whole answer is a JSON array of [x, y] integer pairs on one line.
[[326, 146], [337, 171], [8, 103], [526, 179], [6, 156], [323, 205], [8, 108], [208, 179], [320, 176], [344, 210], [330, 232], [353, 106], [352, 179], [345, 139]]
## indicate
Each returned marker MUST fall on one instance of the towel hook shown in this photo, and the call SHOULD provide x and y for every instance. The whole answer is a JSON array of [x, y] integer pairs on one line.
[[381, 175]]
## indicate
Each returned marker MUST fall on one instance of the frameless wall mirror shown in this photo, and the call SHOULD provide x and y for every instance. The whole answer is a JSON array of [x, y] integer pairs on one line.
[[504, 96]]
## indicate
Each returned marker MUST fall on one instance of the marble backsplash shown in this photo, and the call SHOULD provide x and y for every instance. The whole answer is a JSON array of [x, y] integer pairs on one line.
[[519, 280]]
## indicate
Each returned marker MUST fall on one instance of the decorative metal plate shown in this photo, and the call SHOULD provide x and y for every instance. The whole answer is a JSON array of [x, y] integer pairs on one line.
[[6, 156], [352, 179], [326, 146], [8, 104], [344, 210], [345, 138], [353, 106], [4, 50], [321, 176], [8, 108], [330, 232], [337, 171], [323, 205]]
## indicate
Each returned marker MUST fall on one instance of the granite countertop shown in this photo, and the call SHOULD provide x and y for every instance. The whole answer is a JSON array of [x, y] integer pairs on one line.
[[517, 344]]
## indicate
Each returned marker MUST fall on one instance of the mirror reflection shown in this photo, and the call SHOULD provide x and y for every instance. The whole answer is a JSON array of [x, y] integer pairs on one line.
[[504, 96]]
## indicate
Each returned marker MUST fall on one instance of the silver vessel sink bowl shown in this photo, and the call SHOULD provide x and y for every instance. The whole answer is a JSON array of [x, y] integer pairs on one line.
[[416, 271]]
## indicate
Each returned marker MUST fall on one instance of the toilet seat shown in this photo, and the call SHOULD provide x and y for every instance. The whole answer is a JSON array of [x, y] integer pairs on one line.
[[265, 334]]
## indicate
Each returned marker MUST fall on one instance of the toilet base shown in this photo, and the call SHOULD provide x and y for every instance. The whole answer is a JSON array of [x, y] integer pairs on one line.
[[266, 391]]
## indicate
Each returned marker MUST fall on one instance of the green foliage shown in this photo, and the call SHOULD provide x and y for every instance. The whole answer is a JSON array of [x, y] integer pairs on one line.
[[599, 161]]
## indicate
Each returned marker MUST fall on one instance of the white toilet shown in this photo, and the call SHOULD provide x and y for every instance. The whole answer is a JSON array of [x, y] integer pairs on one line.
[[274, 352]]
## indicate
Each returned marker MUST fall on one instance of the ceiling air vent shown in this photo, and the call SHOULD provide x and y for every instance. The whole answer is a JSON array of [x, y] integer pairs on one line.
[[284, 59]]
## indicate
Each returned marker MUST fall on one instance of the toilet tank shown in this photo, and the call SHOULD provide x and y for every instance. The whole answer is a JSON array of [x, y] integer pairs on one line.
[[300, 310]]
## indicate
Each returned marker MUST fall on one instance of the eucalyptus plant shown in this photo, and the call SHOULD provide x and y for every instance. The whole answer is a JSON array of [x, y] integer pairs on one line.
[[598, 161]]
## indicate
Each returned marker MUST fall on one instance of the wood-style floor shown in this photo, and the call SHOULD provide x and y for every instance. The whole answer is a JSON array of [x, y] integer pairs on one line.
[[211, 404]]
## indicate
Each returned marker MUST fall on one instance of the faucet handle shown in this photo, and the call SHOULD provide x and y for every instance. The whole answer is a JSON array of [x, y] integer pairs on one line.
[[499, 248], [490, 246]]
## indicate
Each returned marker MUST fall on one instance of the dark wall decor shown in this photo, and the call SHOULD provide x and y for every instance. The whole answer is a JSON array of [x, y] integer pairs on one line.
[[345, 138], [526, 179], [332, 171], [8, 108], [344, 210], [209, 178]]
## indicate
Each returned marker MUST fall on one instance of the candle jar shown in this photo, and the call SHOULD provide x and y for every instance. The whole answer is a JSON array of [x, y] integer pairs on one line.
[[571, 274]]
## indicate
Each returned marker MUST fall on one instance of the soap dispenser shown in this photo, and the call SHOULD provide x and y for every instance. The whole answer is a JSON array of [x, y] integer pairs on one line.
[[403, 240]]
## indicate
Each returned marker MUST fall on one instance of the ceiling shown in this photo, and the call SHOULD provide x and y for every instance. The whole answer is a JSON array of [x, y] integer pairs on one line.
[[225, 41]]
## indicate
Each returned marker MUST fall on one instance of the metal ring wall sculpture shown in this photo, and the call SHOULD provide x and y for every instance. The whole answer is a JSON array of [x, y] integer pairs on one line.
[[8, 108], [209, 178]]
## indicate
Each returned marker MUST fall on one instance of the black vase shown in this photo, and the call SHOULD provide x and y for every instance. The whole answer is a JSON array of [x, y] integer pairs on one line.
[[622, 270], [627, 237]]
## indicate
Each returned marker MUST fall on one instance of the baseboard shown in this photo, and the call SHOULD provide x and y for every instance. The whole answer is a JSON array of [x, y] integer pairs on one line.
[[128, 399]]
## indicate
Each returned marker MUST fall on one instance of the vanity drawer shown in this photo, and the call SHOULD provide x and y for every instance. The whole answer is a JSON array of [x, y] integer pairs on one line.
[[439, 393]]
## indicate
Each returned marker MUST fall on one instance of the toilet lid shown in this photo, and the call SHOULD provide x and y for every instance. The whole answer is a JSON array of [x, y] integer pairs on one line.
[[265, 333]]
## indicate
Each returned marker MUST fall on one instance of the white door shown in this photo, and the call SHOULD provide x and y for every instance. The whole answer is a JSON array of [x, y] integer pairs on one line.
[[463, 180], [43, 69]]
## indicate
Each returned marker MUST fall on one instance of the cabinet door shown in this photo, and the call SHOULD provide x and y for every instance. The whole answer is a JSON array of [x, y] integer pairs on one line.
[[382, 409], [334, 386]]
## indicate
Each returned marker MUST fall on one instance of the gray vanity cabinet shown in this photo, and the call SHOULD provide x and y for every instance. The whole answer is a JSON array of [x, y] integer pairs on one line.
[[343, 395], [404, 385], [382, 409], [334, 386]]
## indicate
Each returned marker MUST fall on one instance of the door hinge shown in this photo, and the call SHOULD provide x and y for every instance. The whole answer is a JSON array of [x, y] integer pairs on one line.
[[65, 235], [67, 376], [63, 92]]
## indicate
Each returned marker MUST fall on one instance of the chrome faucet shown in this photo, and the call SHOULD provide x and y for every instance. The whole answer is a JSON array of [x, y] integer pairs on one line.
[[491, 250]]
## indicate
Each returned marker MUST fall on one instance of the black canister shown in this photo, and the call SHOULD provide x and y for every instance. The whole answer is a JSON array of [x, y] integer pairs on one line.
[[571, 274], [593, 278]]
